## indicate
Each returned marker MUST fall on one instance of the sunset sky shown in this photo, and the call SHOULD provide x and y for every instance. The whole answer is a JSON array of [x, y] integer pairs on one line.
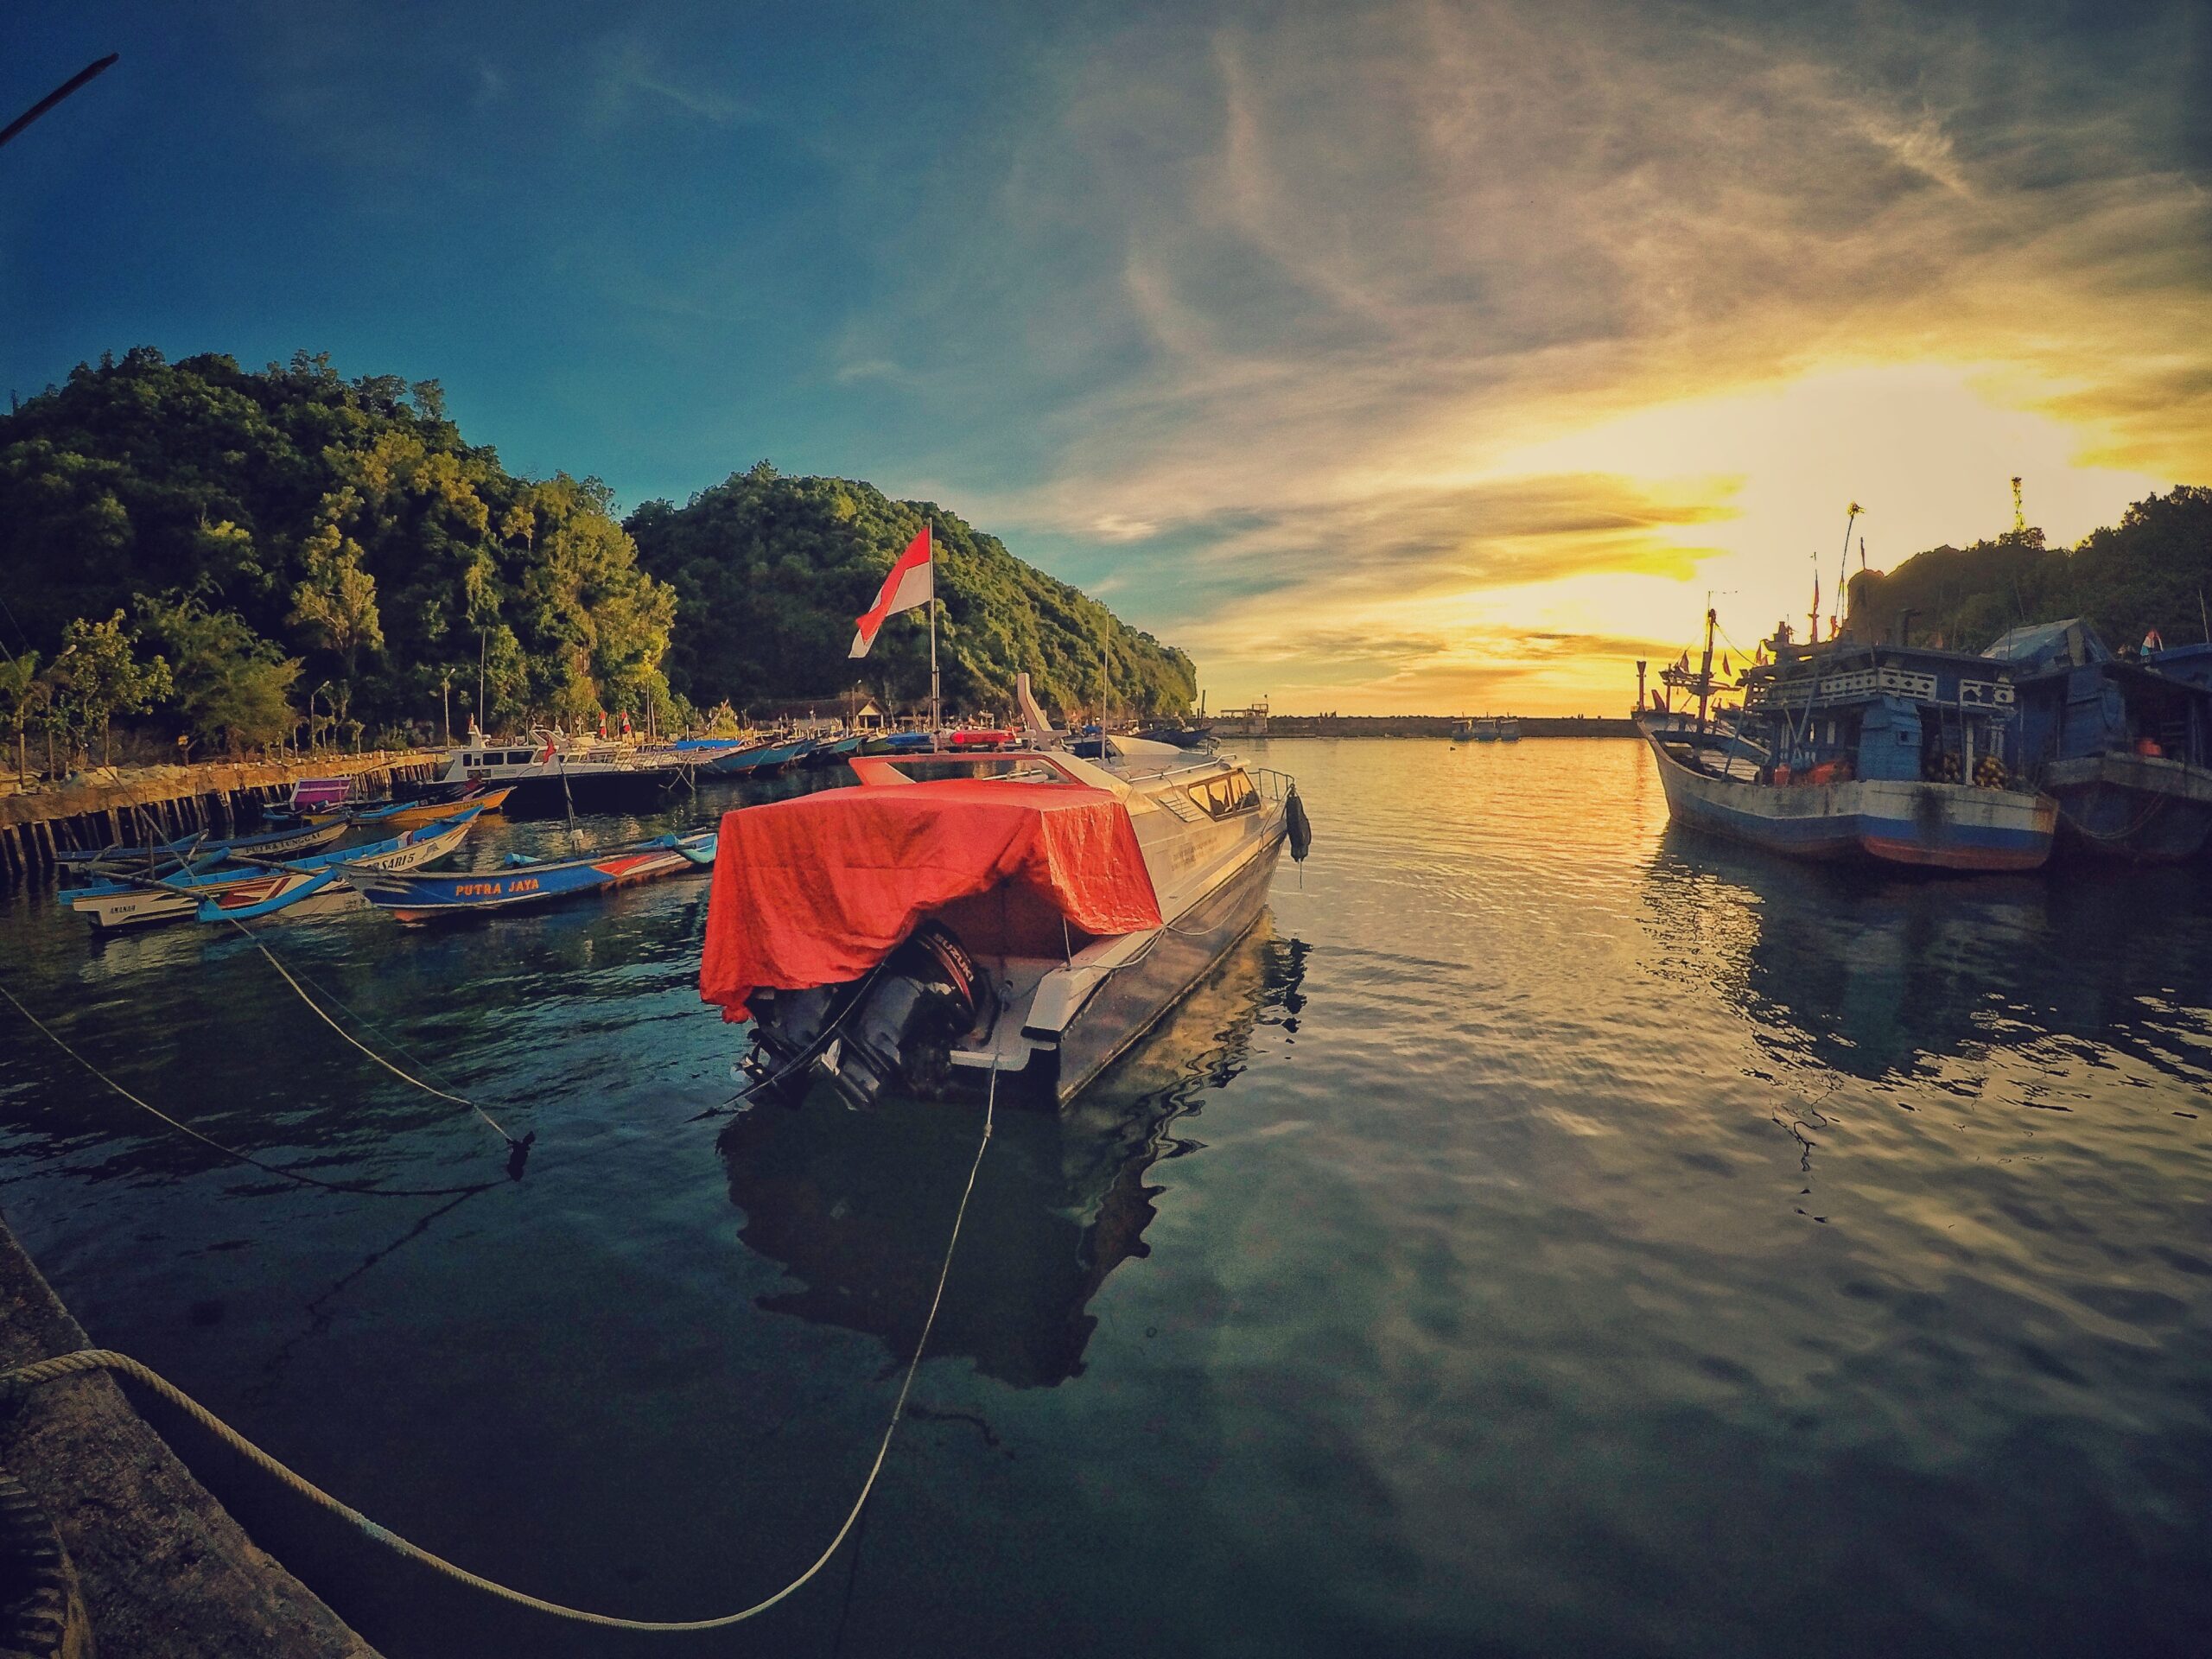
[[1401, 357]]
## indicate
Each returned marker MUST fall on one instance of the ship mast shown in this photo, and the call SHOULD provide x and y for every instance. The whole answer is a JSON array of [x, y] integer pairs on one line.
[[1704, 669]]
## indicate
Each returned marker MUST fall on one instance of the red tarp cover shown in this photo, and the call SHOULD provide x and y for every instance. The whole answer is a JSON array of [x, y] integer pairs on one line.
[[816, 891]]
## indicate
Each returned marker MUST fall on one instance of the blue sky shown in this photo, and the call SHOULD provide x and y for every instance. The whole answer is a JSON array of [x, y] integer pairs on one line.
[[1397, 355]]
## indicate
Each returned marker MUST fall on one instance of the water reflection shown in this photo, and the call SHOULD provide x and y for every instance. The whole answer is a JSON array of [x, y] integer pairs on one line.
[[856, 1206], [1876, 974]]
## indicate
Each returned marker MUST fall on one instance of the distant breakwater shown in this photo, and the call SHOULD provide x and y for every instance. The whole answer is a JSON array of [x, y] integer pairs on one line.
[[1435, 725], [133, 806]]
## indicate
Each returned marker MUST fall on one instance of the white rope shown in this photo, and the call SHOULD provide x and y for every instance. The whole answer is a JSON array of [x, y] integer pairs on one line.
[[323, 1015], [92, 1359], [56, 1038]]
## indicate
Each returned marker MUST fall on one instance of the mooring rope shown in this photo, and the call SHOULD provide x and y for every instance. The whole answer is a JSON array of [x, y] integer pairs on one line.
[[362, 1188], [103, 1359], [323, 1015]]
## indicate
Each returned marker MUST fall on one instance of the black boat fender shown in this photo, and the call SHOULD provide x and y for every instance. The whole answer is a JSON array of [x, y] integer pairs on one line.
[[1296, 823]]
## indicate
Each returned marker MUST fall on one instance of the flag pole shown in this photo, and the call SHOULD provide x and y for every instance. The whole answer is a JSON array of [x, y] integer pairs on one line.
[[936, 723]]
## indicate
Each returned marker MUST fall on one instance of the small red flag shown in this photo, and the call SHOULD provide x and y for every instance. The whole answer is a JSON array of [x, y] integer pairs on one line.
[[912, 583]]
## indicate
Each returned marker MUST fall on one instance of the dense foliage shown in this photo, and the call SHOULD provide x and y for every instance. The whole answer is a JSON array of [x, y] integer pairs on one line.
[[288, 539], [2152, 570], [284, 548], [769, 572]]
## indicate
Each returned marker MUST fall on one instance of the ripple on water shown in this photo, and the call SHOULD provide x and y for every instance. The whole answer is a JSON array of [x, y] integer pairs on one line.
[[1549, 1233]]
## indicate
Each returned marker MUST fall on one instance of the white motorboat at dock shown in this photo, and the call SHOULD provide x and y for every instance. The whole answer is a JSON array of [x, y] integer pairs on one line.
[[1022, 916]]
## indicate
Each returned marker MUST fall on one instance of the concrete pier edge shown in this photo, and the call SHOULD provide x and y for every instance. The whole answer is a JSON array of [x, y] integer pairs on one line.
[[162, 1566]]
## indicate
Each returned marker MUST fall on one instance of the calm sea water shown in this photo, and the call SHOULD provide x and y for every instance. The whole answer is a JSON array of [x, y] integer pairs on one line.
[[1548, 1234]]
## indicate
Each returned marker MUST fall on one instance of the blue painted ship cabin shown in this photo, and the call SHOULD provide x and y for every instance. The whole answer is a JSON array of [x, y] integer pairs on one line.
[[1841, 710], [2121, 746], [2078, 698]]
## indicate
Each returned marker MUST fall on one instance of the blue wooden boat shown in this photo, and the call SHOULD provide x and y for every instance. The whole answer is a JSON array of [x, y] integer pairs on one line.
[[252, 886], [273, 843], [2125, 751], [764, 760], [833, 751], [1893, 753], [417, 896], [898, 743]]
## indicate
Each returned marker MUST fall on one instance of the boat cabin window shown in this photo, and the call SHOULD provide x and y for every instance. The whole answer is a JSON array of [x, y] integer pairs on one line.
[[1225, 797]]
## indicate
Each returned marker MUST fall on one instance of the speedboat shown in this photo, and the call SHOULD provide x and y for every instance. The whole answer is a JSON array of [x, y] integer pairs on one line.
[[963, 923]]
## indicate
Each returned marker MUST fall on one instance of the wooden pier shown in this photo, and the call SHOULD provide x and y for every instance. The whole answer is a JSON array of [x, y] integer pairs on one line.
[[128, 808]]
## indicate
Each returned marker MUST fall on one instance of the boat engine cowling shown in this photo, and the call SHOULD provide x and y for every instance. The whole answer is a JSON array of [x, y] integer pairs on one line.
[[925, 995]]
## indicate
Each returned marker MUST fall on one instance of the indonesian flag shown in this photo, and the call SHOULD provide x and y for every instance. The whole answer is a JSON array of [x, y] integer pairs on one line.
[[912, 581]]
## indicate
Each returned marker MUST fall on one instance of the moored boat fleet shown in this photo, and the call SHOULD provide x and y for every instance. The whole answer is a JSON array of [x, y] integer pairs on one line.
[[1945, 759], [981, 908]]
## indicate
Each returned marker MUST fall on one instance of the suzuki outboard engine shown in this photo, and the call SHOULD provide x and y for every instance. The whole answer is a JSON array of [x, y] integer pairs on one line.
[[926, 994]]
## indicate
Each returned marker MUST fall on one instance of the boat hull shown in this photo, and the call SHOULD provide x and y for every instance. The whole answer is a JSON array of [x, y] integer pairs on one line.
[[764, 761], [422, 812], [273, 843], [2140, 809], [417, 896], [1135, 999], [1935, 826], [217, 897]]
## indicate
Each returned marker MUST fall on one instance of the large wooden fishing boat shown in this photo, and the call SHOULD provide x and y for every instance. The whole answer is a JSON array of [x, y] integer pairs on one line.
[[954, 918], [1893, 753], [2124, 749]]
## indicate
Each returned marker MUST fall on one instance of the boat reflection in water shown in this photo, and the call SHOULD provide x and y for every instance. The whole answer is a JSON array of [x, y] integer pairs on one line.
[[856, 1206], [1875, 975]]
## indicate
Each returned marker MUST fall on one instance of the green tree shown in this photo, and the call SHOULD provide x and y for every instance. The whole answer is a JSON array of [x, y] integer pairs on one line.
[[23, 698], [232, 687], [769, 572], [98, 676], [336, 605]]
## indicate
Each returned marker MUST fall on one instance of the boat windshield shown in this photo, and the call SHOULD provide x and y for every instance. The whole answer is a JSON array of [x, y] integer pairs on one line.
[[1016, 767]]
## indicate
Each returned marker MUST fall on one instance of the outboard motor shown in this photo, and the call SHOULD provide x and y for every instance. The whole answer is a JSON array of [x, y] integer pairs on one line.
[[926, 994]]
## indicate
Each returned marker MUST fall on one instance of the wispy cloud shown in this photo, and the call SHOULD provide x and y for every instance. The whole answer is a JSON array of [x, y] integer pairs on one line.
[[635, 80], [1370, 254]]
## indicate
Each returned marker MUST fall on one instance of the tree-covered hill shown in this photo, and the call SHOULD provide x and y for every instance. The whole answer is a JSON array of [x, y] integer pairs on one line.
[[240, 553], [769, 572], [2153, 569], [276, 532]]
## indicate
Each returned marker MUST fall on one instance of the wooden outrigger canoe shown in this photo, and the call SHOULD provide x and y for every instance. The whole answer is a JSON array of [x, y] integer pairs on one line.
[[420, 896], [406, 815], [765, 758], [274, 844], [259, 889]]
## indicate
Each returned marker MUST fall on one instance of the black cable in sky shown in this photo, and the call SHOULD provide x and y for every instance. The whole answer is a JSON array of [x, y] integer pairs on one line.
[[56, 96]]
